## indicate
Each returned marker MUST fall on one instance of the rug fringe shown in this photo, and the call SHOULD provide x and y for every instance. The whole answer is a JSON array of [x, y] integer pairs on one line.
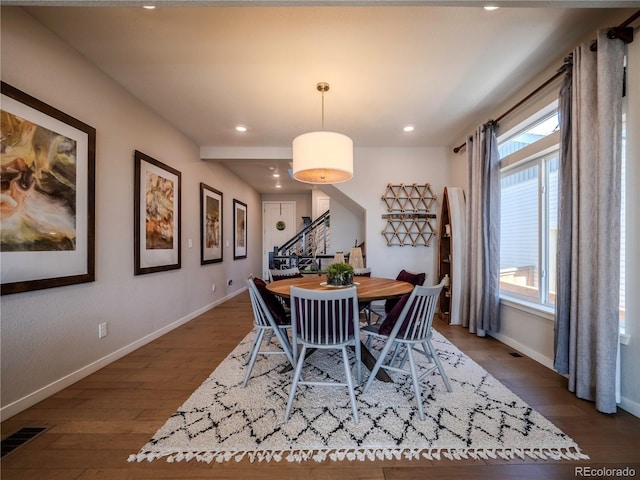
[[363, 454]]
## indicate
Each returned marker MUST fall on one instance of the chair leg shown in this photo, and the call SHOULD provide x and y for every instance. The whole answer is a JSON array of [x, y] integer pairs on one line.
[[352, 393], [254, 354], [416, 384], [396, 352], [294, 385], [379, 363], [436, 359], [286, 345], [358, 361]]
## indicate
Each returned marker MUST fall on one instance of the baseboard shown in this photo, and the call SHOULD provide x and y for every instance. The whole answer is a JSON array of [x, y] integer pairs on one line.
[[625, 404], [630, 406], [31, 399], [529, 352]]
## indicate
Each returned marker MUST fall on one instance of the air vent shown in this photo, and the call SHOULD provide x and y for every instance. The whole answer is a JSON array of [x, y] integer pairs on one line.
[[514, 354], [21, 437]]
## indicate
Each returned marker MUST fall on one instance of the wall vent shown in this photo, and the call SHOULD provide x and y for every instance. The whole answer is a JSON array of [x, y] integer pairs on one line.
[[515, 354], [21, 437]]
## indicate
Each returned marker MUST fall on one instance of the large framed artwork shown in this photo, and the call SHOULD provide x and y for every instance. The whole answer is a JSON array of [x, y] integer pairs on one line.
[[47, 207], [239, 229], [210, 225], [156, 215]]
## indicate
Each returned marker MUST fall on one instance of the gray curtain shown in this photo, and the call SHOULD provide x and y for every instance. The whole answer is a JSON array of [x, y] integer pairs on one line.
[[480, 304], [587, 304]]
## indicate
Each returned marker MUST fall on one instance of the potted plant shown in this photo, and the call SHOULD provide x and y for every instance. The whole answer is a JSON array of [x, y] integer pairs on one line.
[[339, 274]]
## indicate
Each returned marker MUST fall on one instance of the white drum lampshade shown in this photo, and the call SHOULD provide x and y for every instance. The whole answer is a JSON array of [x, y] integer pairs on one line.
[[322, 157]]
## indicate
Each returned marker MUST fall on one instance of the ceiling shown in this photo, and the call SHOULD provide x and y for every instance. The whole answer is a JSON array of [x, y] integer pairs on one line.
[[208, 67]]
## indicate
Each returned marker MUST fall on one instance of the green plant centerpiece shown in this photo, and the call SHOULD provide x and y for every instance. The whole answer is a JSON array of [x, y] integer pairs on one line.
[[339, 274]]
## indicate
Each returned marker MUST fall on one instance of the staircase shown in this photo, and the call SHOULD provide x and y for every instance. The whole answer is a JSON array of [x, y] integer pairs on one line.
[[306, 249]]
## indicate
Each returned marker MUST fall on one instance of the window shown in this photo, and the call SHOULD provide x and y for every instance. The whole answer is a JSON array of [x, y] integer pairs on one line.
[[529, 209]]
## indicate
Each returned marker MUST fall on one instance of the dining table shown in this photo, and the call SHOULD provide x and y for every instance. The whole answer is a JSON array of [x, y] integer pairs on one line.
[[368, 289]]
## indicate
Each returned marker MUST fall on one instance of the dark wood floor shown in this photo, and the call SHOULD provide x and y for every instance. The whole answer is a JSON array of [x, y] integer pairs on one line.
[[96, 423]]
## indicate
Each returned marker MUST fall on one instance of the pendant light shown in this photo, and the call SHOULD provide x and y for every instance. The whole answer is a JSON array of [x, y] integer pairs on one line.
[[322, 157]]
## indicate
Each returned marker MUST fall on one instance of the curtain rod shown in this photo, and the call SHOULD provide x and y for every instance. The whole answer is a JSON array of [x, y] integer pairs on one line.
[[622, 31]]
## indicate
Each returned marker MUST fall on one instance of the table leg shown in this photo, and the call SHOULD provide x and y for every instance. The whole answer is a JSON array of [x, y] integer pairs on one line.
[[369, 361], [289, 367]]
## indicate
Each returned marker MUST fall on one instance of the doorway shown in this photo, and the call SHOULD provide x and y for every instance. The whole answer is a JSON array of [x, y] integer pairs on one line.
[[278, 226]]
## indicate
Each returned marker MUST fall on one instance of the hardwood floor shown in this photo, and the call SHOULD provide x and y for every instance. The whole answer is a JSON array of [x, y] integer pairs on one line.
[[96, 423]]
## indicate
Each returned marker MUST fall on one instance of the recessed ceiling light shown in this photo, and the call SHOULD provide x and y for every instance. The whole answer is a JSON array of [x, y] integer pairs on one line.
[[408, 128], [491, 8], [241, 128]]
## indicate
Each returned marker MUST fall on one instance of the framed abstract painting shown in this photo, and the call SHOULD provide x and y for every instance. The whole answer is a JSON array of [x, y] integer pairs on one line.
[[157, 191], [239, 229], [210, 225], [47, 208]]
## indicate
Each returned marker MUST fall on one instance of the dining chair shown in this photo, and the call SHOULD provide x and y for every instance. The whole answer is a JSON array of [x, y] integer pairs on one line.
[[276, 274], [363, 306], [382, 309], [270, 319], [411, 329], [325, 320]]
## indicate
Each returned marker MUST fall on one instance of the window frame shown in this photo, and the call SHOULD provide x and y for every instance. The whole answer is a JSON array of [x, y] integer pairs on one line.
[[540, 153]]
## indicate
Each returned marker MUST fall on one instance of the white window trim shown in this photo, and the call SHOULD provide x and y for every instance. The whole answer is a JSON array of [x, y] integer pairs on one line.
[[540, 148], [537, 150], [538, 309]]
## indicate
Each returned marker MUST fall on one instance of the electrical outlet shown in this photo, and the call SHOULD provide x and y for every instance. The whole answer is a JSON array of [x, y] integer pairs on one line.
[[102, 330]]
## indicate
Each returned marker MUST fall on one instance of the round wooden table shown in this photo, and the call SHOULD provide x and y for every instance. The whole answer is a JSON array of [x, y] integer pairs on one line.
[[369, 288]]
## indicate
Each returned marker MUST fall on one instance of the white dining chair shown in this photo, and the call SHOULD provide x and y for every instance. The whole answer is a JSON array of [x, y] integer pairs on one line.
[[276, 274], [269, 319], [409, 331], [325, 320]]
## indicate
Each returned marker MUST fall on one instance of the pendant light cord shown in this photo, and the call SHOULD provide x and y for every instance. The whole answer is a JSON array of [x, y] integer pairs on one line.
[[322, 109]]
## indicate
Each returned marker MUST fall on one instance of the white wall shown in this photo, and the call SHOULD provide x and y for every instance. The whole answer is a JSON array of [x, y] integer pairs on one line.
[[347, 227], [374, 169], [50, 337]]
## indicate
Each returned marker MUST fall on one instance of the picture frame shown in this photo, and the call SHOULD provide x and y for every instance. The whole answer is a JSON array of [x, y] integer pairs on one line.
[[47, 227], [157, 217], [211, 222], [239, 229]]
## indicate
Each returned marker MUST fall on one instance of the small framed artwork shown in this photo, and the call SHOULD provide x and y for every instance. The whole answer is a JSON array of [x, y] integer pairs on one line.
[[210, 225], [47, 218], [239, 229], [157, 192]]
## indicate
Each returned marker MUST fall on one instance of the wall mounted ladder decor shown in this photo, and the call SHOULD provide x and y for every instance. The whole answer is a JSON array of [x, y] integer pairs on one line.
[[408, 218]]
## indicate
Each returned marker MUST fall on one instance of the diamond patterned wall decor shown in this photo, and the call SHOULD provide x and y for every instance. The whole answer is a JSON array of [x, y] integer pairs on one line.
[[409, 220]]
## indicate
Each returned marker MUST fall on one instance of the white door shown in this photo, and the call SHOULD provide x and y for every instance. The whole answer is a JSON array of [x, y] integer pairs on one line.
[[322, 204], [278, 226]]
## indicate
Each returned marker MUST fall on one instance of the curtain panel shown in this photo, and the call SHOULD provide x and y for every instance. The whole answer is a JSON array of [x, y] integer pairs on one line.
[[480, 304], [588, 275]]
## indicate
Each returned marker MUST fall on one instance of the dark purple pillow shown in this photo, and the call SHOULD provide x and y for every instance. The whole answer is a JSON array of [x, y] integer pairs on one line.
[[412, 278], [404, 276], [392, 317], [273, 304]]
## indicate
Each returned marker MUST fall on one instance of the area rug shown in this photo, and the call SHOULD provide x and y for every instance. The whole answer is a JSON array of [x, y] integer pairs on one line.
[[480, 419]]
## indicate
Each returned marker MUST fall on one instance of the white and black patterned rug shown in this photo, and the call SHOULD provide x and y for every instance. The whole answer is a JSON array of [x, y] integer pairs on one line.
[[480, 419]]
